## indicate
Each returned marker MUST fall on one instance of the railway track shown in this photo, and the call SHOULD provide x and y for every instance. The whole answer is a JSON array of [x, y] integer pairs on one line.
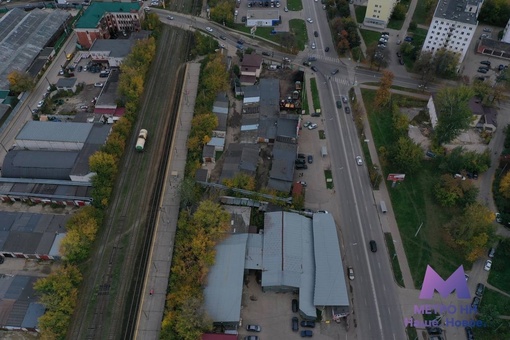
[[116, 272]]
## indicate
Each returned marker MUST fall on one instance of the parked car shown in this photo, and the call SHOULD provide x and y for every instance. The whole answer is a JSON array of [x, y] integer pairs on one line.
[[479, 289], [309, 20], [222, 37], [310, 324], [314, 69], [312, 126], [401, 61], [359, 161], [300, 161], [482, 70], [306, 124], [295, 324], [488, 265], [344, 99], [315, 34], [253, 328], [301, 166], [476, 302], [322, 212], [310, 159], [335, 71], [492, 252], [267, 54], [312, 58], [307, 63], [434, 330], [339, 104], [208, 29], [350, 272], [486, 62], [373, 246], [487, 29], [399, 55], [469, 334], [303, 183], [313, 46], [347, 110], [98, 84], [408, 39], [306, 334], [326, 49], [40, 104], [80, 68], [251, 337]]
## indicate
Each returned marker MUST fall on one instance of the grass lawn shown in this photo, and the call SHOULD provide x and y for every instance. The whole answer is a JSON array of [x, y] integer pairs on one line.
[[395, 24], [263, 32], [304, 99], [370, 37], [397, 272], [315, 94], [499, 275], [420, 14], [414, 204], [298, 28], [294, 5], [329, 179], [360, 13], [502, 302]]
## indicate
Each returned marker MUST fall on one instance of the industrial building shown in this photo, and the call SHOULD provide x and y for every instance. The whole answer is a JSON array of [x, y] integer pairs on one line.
[[453, 26], [24, 36], [293, 254]]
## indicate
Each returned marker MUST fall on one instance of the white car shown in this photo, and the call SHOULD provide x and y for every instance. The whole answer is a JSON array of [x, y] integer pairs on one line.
[[223, 46], [313, 46], [359, 161], [351, 273], [236, 12], [208, 29], [285, 9], [40, 104], [98, 84], [312, 126], [488, 265], [309, 20]]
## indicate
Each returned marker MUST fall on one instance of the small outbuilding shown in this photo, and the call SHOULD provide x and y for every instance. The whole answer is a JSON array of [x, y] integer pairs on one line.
[[67, 84]]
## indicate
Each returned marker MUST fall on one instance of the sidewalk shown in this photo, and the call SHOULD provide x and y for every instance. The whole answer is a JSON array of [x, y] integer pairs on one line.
[[152, 305]]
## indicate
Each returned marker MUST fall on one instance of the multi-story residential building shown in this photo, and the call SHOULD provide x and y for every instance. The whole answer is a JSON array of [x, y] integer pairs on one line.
[[453, 26], [378, 13], [506, 33], [101, 20]]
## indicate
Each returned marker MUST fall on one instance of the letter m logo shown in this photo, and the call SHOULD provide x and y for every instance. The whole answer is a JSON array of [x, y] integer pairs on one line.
[[433, 281]]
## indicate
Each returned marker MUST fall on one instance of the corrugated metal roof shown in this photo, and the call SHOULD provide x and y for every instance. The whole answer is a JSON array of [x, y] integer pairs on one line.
[[330, 286], [224, 289], [35, 310], [55, 131], [43, 164], [254, 252]]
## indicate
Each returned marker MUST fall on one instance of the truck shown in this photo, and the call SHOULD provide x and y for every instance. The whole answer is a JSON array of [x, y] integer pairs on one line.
[[142, 138]]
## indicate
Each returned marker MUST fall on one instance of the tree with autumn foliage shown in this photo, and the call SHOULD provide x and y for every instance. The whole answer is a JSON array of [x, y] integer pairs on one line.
[[472, 231], [383, 94], [504, 186], [20, 81], [81, 232], [241, 181]]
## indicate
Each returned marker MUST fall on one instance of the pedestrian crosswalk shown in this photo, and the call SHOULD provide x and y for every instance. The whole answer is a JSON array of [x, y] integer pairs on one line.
[[321, 57], [342, 81]]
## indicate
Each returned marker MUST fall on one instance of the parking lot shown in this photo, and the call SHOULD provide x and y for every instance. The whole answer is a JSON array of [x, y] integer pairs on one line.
[[273, 313]]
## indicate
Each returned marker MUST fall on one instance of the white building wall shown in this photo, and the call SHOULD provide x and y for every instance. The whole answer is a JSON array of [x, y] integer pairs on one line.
[[48, 145], [260, 22], [506, 33], [452, 35], [378, 13]]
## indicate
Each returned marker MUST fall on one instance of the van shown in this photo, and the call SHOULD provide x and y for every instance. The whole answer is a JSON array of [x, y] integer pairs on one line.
[[382, 204]]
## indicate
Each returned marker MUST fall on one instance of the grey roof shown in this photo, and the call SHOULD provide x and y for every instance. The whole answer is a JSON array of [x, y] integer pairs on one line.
[[287, 128], [201, 175], [45, 164], [221, 97], [98, 134], [288, 259], [495, 47], [208, 151], [46, 189], [330, 286], [251, 91], [239, 157], [224, 288], [55, 131], [108, 96], [118, 48], [222, 121], [270, 91], [253, 259], [66, 82], [18, 306], [239, 218], [34, 312], [81, 164], [282, 169], [465, 11], [23, 35]]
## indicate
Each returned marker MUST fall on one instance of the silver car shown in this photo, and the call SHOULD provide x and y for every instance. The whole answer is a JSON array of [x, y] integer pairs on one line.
[[359, 161]]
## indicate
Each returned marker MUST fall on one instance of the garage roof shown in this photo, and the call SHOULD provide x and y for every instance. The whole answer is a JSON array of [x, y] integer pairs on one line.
[[330, 286], [55, 131]]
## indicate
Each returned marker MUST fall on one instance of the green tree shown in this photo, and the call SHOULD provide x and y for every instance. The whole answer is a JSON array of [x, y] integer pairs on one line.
[[223, 13], [453, 112], [189, 192], [20, 82], [406, 156], [104, 165], [152, 23], [495, 12], [450, 191], [383, 94], [399, 12], [424, 66], [446, 63], [504, 186], [240, 181]]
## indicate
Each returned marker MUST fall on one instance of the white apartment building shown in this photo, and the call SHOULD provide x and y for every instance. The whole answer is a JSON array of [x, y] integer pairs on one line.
[[506, 33], [378, 13], [453, 26]]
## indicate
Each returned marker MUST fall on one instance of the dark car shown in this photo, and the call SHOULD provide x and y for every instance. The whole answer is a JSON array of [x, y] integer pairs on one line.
[[251, 337], [295, 324], [253, 328], [335, 71], [314, 69], [338, 104], [476, 302], [310, 159], [315, 34], [479, 289], [401, 61], [222, 37], [434, 330], [266, 53], [300, 161], [301, 167], [483, 70], [399, 54], [295, 305], [492, 252], [326, 49], [310, 324], [347, 110], [501, 67], [240, 41], [312, 59], [373, 246], [485, 62], [306, 334], [408, 39], [301, 155], [307, 63], [469, 334]]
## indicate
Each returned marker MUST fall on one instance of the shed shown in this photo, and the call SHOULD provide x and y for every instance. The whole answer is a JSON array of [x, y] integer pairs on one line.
[[66, 84]]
